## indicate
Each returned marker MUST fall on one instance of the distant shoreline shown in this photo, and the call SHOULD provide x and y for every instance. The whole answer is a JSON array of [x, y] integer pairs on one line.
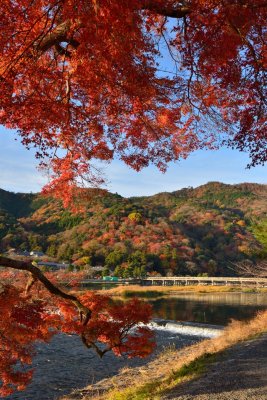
[[156, 291]]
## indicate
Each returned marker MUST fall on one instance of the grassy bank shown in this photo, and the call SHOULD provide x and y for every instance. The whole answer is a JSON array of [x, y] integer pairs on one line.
[[154, 389], [173, 367], [156, 291]]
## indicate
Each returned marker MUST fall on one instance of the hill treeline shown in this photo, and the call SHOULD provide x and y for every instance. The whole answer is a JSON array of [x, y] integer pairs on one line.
[[205, 230]]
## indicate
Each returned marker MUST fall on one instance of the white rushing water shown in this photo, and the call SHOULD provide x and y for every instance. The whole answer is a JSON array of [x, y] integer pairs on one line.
[[187, 328]]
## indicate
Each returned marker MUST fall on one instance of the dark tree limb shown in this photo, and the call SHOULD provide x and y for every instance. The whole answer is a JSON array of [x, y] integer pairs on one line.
[[57, 35], [38, 275], [92, 345], [180, 10]]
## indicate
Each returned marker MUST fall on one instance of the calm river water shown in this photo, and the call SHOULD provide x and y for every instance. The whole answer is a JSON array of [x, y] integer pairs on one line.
[[65, 364], [210, 308]]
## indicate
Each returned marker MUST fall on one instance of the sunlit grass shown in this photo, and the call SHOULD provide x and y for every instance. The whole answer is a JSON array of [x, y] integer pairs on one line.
[[153, 390], [157, 291]]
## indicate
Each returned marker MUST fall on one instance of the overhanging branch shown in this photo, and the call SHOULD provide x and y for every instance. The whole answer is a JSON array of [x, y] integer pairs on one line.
[[38, 275]]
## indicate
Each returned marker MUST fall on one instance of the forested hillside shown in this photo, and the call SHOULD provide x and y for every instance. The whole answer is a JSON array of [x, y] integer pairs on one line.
[[190, 231]]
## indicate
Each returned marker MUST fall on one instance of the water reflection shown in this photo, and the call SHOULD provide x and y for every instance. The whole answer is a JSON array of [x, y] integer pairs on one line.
[[215, 308]]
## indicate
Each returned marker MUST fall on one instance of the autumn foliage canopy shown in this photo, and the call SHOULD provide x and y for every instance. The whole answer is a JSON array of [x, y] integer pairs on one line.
[[146, 81]]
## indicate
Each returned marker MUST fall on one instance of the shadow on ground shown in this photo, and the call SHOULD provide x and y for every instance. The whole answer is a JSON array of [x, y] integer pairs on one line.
[[239, 374]]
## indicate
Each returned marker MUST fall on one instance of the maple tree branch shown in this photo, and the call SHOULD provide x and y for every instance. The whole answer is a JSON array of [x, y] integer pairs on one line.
[[179, 10], [60, 33], [172, 11], [92, 345], [38, 275], [57, 35]]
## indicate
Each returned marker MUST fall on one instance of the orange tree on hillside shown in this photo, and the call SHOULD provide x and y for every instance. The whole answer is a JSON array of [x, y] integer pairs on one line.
[[85, 79]]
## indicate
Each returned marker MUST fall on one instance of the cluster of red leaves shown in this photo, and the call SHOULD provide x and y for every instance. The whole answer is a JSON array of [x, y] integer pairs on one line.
[[83, 76], [22, 323], [26, 319], [117, 325]]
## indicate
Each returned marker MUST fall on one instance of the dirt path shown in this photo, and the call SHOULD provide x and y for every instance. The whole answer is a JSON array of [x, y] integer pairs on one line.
[[240, 374]]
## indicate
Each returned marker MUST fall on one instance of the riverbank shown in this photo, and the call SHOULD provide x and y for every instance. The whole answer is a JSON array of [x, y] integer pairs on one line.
[[166, 375], [238, 374], [156, 291]]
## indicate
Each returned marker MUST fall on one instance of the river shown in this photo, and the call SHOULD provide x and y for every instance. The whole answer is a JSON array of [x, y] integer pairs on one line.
[[65, 364]]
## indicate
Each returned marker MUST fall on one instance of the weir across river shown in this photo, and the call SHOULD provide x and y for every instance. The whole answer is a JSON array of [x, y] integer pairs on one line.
[[183, 281]]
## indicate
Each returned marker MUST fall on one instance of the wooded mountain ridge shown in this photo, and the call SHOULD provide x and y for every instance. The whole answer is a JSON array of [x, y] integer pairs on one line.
[[205, 230]]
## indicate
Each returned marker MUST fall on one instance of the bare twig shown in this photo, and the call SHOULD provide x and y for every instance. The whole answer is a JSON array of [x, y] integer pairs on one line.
[[247, 268]]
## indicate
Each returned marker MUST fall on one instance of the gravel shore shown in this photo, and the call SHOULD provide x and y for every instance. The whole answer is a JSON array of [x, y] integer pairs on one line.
[[239, 374]]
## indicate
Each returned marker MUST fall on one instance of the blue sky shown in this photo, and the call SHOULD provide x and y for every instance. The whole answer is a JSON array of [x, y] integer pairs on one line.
[[18, 171]]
